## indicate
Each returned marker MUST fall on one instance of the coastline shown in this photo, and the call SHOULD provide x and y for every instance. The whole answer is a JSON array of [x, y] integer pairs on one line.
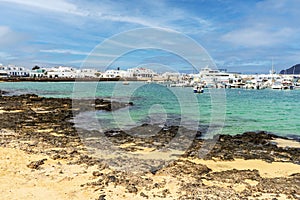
[[45, 79], [250, 165]]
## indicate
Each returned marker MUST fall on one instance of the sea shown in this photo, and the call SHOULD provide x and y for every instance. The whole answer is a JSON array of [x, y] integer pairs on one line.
[[225, 111]]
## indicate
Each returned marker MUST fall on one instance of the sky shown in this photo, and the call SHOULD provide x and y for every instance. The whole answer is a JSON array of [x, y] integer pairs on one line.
[[240, 36]]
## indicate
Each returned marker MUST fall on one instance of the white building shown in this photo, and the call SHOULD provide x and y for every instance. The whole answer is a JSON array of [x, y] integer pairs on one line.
[[61, 72], [15, 71], [87, 73], [37, 73], [141, 73], [171, 76], [115, 74], [3, 74]]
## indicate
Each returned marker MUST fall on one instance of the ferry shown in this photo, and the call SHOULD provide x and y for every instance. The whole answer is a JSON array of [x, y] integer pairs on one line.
[[212, 76]]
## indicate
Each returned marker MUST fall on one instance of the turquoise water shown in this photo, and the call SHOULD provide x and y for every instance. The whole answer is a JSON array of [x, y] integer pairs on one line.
[[233, 111]]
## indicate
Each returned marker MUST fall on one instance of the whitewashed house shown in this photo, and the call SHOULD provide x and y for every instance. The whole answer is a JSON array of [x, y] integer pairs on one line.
[[15, 71], [115, 74], [141, 72], [87, 73], [173, 76], [3, 73], [37, 73], [61, 72]]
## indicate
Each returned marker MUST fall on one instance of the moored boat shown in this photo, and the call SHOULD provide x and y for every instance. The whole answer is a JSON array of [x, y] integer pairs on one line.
[[277, 85], [198, 89]]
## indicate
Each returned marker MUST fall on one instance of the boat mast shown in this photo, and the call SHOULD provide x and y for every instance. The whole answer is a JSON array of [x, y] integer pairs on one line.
[[272, 71]]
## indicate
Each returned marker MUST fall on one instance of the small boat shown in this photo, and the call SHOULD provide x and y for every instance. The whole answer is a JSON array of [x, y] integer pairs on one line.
[[125, 83], [198, 89], [287, 84]]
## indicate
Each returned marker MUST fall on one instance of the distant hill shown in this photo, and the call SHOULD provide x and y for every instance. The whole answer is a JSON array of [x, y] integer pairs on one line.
[[292, 70]]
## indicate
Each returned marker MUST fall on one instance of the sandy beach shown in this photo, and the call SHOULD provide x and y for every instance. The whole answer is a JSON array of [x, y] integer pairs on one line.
[[56, 179], [42, 157]]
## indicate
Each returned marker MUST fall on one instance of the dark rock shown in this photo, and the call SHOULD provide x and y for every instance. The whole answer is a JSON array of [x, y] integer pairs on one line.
[[142, 194], [249, 145], [102, 197], [153, 170], [131, 189], [2, 92], [97, 173], [115, 133], [36, 164], [112, 179], [99, 101]]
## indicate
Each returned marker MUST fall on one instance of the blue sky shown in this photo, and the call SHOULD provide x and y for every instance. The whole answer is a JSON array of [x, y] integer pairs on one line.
[[241, 36]]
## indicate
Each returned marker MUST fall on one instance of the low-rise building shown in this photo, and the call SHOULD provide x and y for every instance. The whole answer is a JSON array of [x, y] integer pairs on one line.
[[171, 76], [115, 74], [141, 72], [87, 73], [37, 73], [61, 72], [3, 74], [15, 71]]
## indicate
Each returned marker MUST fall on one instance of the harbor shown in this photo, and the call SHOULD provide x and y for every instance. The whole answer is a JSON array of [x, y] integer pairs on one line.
[[206, 78]]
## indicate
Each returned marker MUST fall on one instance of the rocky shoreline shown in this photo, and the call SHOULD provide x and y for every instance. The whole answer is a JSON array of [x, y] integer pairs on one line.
[[41, 129]]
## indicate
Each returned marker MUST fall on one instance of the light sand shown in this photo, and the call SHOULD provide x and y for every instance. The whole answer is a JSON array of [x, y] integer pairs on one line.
[[58, 180], [267, 170], [10, 111], [52, 181], [286, 143], [40, 110]]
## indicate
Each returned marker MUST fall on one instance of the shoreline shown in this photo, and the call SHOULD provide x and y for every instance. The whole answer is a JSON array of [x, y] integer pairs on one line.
[[42, 154], [29, 79]]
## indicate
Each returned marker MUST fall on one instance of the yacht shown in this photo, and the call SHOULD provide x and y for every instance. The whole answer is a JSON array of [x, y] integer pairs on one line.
[[277, 85]]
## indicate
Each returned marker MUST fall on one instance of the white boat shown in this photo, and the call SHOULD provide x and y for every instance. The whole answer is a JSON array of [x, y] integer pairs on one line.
[[198, 89], [276, 85], [296, 87], [250, 84]]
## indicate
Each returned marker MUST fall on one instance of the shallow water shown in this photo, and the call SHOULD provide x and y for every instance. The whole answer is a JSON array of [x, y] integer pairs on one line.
[[230, 111]]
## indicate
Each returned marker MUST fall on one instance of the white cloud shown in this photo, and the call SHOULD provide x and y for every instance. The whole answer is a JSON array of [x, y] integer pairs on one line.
[[75, 52], [129, 19], [9, 37], [149, 14], [64, 51], [257, 37], [53, 5]]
